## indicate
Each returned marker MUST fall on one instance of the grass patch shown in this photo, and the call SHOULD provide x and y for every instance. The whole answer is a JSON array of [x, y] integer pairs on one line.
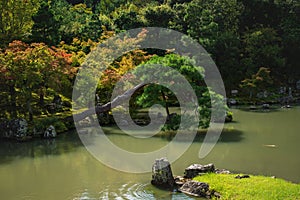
[[255, 187]]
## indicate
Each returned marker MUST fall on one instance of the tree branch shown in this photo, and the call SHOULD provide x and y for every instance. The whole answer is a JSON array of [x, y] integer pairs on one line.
[[110, 105]]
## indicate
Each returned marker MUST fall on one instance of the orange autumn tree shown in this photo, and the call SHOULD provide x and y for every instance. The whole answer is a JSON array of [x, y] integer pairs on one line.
[[258, 81], [29, 69], [115, 70], [119, 68]]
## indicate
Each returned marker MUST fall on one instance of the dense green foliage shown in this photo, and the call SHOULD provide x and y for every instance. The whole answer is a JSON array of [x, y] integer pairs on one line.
[[255, 187], [242, 36], [159, 94], [56, 35]]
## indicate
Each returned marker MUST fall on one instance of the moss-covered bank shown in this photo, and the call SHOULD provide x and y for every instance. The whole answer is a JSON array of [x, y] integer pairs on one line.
[[255, 187]]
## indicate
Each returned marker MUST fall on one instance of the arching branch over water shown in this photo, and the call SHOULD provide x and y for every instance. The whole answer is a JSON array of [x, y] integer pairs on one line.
[[110, 105]]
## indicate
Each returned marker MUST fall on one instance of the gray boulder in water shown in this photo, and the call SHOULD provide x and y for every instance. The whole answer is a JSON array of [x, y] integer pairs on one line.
[[162, 175], [50, 132]]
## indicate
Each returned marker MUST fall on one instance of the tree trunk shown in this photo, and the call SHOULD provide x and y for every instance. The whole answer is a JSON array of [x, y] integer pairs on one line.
[[13, 103], [166, 103], [41, 100], [29, 108]]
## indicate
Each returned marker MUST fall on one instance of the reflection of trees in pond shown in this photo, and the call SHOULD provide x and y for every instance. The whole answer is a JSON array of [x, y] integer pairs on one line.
[[259, 109], [227, 135], [10, 150]]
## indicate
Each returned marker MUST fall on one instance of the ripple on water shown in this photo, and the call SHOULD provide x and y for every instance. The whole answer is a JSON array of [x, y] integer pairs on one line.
[[84, 196], [127, 191], [140, 191], [131, 191]]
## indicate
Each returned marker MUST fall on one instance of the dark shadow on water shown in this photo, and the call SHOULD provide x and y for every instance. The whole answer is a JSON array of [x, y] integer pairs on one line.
[[231, 136], [259, 110], [227, 135], [70, 142], [64, 143], [233, 122]]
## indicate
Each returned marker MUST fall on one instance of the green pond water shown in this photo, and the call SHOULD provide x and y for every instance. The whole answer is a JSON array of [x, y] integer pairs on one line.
[[265, 143]]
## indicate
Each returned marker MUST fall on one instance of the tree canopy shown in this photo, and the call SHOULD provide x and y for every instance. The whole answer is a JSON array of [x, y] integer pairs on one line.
[[45, 41]]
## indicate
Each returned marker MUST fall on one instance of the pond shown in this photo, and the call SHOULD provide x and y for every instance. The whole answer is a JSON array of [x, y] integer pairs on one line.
[[265, 143]]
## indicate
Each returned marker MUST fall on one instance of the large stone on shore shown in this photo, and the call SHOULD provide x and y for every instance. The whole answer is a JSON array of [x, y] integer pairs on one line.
[[265, 106], [195, 188], [162, 175], [197, 169], [50, 132]]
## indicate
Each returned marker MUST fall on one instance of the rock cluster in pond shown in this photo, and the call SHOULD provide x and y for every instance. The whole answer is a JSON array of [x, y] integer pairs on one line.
[[14, 129], [197, 169], [162, 177], [18, 129]]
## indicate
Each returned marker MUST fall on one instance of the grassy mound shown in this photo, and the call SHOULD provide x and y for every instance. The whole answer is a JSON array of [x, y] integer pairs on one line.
[[255, 187]]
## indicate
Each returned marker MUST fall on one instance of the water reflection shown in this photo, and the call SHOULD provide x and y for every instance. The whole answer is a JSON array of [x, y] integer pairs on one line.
[[228, 135], [12, 150], [63, 169], [132, 191]]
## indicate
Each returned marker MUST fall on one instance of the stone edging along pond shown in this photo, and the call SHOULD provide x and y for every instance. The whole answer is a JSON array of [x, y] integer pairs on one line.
[[162, 177], [46, 127]]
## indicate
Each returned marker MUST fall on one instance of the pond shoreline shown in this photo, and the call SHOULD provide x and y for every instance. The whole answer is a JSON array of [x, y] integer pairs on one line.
[[209, 182], [63, 122]]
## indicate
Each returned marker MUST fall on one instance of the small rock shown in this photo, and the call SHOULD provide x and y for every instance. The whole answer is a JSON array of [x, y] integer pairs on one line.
[[216, 194], [50, 132], [85, 122], [266, 106], [242, 176], [194, 188], [179, 180], [222, 171], [196, 169]]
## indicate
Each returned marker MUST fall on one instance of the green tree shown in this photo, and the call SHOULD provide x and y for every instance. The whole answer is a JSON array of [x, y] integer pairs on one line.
[[126, 17], [290, 28], [259, 13], [159, 15], [108, 6], [16, 19], [46, 27], [207, 19], [76, 21], [226, 55], [262, 47], [157, 94]]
